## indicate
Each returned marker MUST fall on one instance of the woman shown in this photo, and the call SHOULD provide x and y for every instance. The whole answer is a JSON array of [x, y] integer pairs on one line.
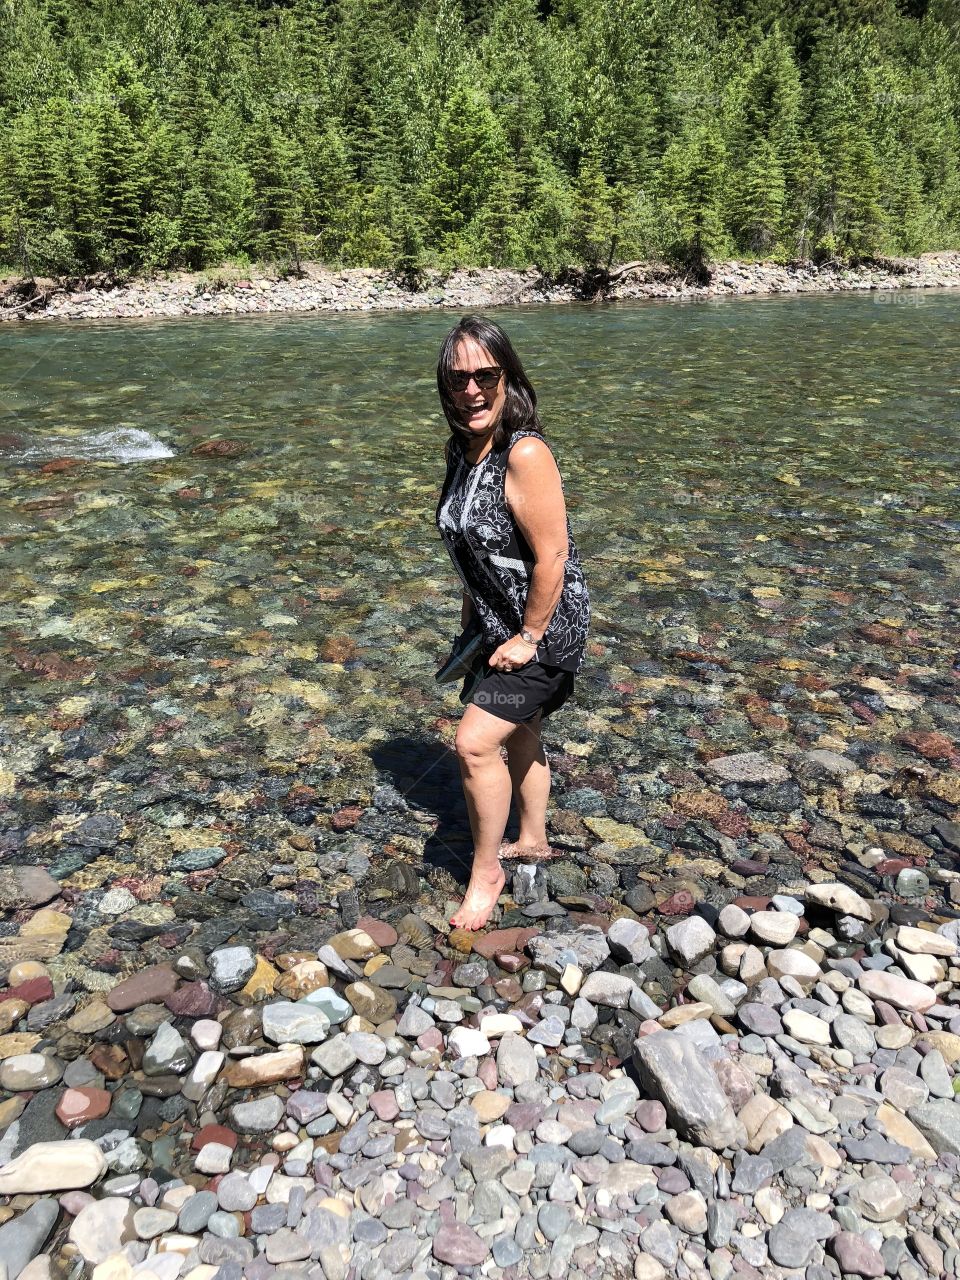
[[503, 520]]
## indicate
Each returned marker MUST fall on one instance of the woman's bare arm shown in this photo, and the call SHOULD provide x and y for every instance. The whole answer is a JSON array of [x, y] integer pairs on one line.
[[534, 495]]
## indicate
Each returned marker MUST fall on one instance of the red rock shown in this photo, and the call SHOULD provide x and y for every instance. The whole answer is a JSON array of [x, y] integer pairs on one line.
[[508, 989], [600, 922], [149, 986], [891, 866], [748, 903], [747, 867], [459, 1245], [678, 904], [887, 1014], [383, 934], [731, 824], [192, 1000], [110, 1059], [213, 1133], [505, 940], [930, 745], [511, 962], [35, 991], [56, 465], [77, 1106], [221, 448], [346, 817], [431, 1039]]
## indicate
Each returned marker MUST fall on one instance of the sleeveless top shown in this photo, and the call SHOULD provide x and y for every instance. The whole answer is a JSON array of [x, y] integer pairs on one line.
[[495, 561]]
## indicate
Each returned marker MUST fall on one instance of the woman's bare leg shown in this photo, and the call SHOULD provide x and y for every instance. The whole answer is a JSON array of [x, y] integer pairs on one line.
[[530, 776], [486, 786]]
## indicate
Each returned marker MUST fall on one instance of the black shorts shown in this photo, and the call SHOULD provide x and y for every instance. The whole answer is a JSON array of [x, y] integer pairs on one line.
[[518, 695]]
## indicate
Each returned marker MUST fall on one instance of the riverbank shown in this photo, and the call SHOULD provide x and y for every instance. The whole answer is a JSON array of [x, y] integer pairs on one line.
[[369, 289]]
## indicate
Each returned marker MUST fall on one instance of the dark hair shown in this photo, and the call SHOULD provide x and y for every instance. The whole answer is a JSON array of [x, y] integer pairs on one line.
[[520, 406]]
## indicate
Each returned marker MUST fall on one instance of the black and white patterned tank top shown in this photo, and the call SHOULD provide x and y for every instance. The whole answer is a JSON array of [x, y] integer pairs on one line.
[[495, 561]]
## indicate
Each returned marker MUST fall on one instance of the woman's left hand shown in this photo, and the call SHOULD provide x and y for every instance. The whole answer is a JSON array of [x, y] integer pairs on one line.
[[513, 653]]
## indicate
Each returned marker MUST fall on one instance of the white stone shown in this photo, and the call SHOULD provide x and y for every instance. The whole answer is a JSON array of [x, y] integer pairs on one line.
[[691, 939], [500, 1135], [205, 1071], [498, 1024], [922, 968], [213, 1157], [924, 943], [794, 963], [839, 898], [805, 1027], [571, 979], [102, 1228], [53, 1166], [646, 1267], [206, 1032], [467, 1042], [902, 993], [770, 1205], [774, 927], [733, 921]]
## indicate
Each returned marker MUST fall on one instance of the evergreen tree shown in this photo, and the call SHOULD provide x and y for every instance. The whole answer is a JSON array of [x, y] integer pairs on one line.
[[691, 194], [417, 134]]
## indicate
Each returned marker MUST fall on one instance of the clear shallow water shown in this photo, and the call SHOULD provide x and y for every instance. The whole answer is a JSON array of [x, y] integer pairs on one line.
[[750, 483]]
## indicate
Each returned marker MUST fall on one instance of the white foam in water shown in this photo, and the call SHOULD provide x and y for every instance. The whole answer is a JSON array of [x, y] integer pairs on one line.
[[122, 444]]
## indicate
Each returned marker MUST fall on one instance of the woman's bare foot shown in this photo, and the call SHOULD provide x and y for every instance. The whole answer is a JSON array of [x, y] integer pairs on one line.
[[541, 852], [481, 897]]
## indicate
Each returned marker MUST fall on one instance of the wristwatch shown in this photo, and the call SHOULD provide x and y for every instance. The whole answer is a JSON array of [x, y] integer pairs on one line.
[[525, 635]]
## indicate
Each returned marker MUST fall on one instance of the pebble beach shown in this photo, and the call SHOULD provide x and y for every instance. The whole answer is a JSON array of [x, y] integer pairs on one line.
[[625, 1076]]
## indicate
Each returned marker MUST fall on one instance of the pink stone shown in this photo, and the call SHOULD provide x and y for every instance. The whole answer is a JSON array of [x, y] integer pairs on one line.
[[887, 1014], [431, 1039], [459, 1245], [385, 1105], [511, 961], [193, 1000], [651, 1115], [506, 940], [487, 1073], [73, 1201], [77, 1106], [383, 934], [648, 1028]]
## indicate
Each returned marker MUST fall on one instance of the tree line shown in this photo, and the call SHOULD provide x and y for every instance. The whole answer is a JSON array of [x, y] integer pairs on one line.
[[138, 135]]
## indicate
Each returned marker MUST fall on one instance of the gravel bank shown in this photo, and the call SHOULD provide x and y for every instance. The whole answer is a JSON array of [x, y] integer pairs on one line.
[[366, 289]]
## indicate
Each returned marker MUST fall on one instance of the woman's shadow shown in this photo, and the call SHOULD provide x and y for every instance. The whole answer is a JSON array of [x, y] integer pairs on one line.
[[427, 776]]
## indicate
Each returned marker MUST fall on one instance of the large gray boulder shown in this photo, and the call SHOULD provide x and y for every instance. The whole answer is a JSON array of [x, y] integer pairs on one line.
[[672, 1070]]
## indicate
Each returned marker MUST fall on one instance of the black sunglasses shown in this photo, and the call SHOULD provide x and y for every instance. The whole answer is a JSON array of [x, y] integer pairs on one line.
[[486, 379]]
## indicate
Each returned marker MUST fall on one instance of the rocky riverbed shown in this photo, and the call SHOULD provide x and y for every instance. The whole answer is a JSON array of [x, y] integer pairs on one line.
[[285, 1064], [368, 289]]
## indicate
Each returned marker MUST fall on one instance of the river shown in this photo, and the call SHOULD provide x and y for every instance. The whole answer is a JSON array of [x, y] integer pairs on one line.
[[763, 493]]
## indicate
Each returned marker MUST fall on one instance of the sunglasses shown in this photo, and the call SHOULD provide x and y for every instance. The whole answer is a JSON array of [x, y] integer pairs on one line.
[[486, 379]]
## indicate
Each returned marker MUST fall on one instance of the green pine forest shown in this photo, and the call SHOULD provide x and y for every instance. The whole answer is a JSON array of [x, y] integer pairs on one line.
[[144, 135]]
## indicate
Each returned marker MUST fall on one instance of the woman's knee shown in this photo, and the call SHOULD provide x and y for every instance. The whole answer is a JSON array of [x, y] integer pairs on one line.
[[472, 746]]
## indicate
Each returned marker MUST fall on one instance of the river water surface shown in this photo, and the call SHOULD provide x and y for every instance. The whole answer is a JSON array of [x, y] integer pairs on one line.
[[764, 494]]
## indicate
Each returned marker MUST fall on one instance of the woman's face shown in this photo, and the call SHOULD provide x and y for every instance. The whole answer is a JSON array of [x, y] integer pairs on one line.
[[479, 407]]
